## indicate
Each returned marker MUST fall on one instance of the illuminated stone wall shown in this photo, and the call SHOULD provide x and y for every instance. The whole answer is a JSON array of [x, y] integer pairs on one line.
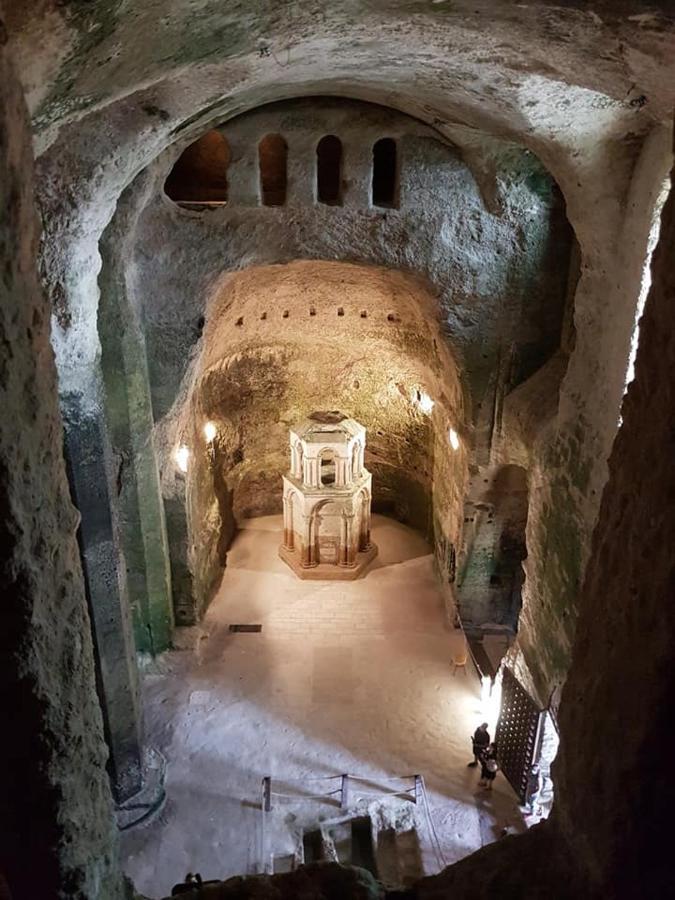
[[490, 248]]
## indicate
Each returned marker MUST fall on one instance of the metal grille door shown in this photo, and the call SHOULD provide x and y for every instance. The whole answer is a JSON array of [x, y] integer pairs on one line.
[[517, 733]]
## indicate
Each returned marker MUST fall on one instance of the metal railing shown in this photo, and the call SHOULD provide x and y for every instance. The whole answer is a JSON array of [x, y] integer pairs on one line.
[[348, 790]]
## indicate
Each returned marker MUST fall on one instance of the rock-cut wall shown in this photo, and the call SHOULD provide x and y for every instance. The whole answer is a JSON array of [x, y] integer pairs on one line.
[[57, 837]]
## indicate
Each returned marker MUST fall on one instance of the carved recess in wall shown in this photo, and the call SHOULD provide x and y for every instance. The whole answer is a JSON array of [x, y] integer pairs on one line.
[[327, 497]]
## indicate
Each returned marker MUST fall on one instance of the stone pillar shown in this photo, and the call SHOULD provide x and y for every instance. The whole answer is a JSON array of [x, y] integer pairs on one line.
[[364, 524], [347, 555], [90, 474], [301, 170], [306, 555], [315, 547], [243, 174], [129, 417], [289, 540], [357, 155]]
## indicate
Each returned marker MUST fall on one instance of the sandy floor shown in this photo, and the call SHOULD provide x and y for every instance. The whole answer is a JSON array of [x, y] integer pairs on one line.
[[344, 677]]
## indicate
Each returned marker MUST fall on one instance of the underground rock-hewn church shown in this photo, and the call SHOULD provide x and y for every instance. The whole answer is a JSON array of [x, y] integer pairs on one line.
[[337, 494]]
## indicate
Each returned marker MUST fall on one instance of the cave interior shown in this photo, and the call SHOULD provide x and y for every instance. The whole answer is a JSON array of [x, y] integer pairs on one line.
[[441, 234]]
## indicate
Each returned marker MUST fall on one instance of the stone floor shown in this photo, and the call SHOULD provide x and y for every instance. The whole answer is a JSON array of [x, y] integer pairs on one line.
[[344, 677]]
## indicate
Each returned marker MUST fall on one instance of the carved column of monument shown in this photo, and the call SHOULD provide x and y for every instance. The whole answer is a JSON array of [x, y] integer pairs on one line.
[[306, 554], [364, 524], [326, 488], [289, 534], [347, 552]]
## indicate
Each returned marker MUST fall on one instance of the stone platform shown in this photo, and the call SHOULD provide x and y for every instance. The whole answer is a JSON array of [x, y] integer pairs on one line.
[[329, 571]]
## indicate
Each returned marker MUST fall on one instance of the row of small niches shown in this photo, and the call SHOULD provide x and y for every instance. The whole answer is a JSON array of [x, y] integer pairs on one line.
[[391, 317]]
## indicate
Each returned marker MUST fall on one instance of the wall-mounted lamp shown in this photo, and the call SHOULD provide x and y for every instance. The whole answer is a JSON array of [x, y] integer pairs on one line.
[[182, 455], [210, 432], [453, 437], [423, 401]]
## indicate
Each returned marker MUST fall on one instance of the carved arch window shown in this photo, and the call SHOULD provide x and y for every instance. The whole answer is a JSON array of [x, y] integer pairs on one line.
[[273, 162], [329, 170], [384, 191], [199, 175], [327, 468]]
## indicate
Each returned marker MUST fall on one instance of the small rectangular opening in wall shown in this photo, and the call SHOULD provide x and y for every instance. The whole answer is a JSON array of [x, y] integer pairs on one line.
[[312, 846], [246, 628], [363, 852]]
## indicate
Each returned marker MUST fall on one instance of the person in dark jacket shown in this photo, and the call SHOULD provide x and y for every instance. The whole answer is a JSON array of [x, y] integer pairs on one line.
[[488, 767], [480, 741]]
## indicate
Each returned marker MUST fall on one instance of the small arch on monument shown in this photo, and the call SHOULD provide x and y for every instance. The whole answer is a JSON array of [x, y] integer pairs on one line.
[[327, 468]]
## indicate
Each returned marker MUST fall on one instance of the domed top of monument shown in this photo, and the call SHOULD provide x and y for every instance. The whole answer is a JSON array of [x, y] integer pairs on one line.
[[328, 427]]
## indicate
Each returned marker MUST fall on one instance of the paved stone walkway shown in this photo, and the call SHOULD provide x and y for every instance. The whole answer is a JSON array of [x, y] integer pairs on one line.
[[344, 677]]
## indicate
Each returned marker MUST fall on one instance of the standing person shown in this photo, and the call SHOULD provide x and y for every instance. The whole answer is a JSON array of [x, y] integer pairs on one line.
[[488, 767], [480, 741]]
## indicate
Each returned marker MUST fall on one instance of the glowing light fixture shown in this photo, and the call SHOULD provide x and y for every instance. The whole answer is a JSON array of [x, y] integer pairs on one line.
[[182, 456], [453, 437], [209, 431], [425, 403], [490, 700]]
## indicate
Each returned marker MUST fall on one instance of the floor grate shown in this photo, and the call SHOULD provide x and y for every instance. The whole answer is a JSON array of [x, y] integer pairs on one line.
[[251, 628]]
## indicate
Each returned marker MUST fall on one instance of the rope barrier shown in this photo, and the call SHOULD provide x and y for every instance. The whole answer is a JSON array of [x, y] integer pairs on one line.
[[384, 793], [305, 796], [418, 786]]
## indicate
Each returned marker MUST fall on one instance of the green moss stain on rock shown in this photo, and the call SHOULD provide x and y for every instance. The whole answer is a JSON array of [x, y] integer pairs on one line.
[[216, 31], [139, 505]]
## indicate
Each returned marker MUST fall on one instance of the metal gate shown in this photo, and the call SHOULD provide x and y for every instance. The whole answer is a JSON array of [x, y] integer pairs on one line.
[[518, 732]]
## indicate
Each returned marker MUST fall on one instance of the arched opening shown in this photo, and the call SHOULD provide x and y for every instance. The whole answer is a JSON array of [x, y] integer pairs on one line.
[[199, 175], [326, 532], [385, 173], [327, 468], [272, 160], [329, 170], [491, 575]]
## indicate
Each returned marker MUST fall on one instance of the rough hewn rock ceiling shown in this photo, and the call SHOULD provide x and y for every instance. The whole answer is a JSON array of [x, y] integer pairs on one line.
[[543, 71]]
